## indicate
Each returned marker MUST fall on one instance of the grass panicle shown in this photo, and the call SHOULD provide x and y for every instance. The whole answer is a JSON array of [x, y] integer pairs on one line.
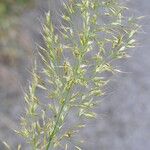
[[75, 61]]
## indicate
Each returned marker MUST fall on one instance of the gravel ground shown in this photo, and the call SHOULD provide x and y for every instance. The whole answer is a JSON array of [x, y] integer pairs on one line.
[[123, 122]]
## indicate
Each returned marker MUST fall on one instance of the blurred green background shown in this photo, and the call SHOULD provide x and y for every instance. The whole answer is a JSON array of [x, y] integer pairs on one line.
[[10, 15], [12, 7]]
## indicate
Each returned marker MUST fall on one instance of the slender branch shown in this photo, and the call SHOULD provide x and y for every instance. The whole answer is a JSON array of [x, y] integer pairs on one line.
[[58, 118]]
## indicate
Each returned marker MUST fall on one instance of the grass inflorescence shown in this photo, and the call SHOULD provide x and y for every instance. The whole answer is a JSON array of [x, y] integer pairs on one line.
[[75, 60]]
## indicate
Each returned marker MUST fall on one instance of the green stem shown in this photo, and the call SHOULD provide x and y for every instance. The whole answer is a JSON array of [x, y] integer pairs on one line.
[[55, 127], [58, 118]]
